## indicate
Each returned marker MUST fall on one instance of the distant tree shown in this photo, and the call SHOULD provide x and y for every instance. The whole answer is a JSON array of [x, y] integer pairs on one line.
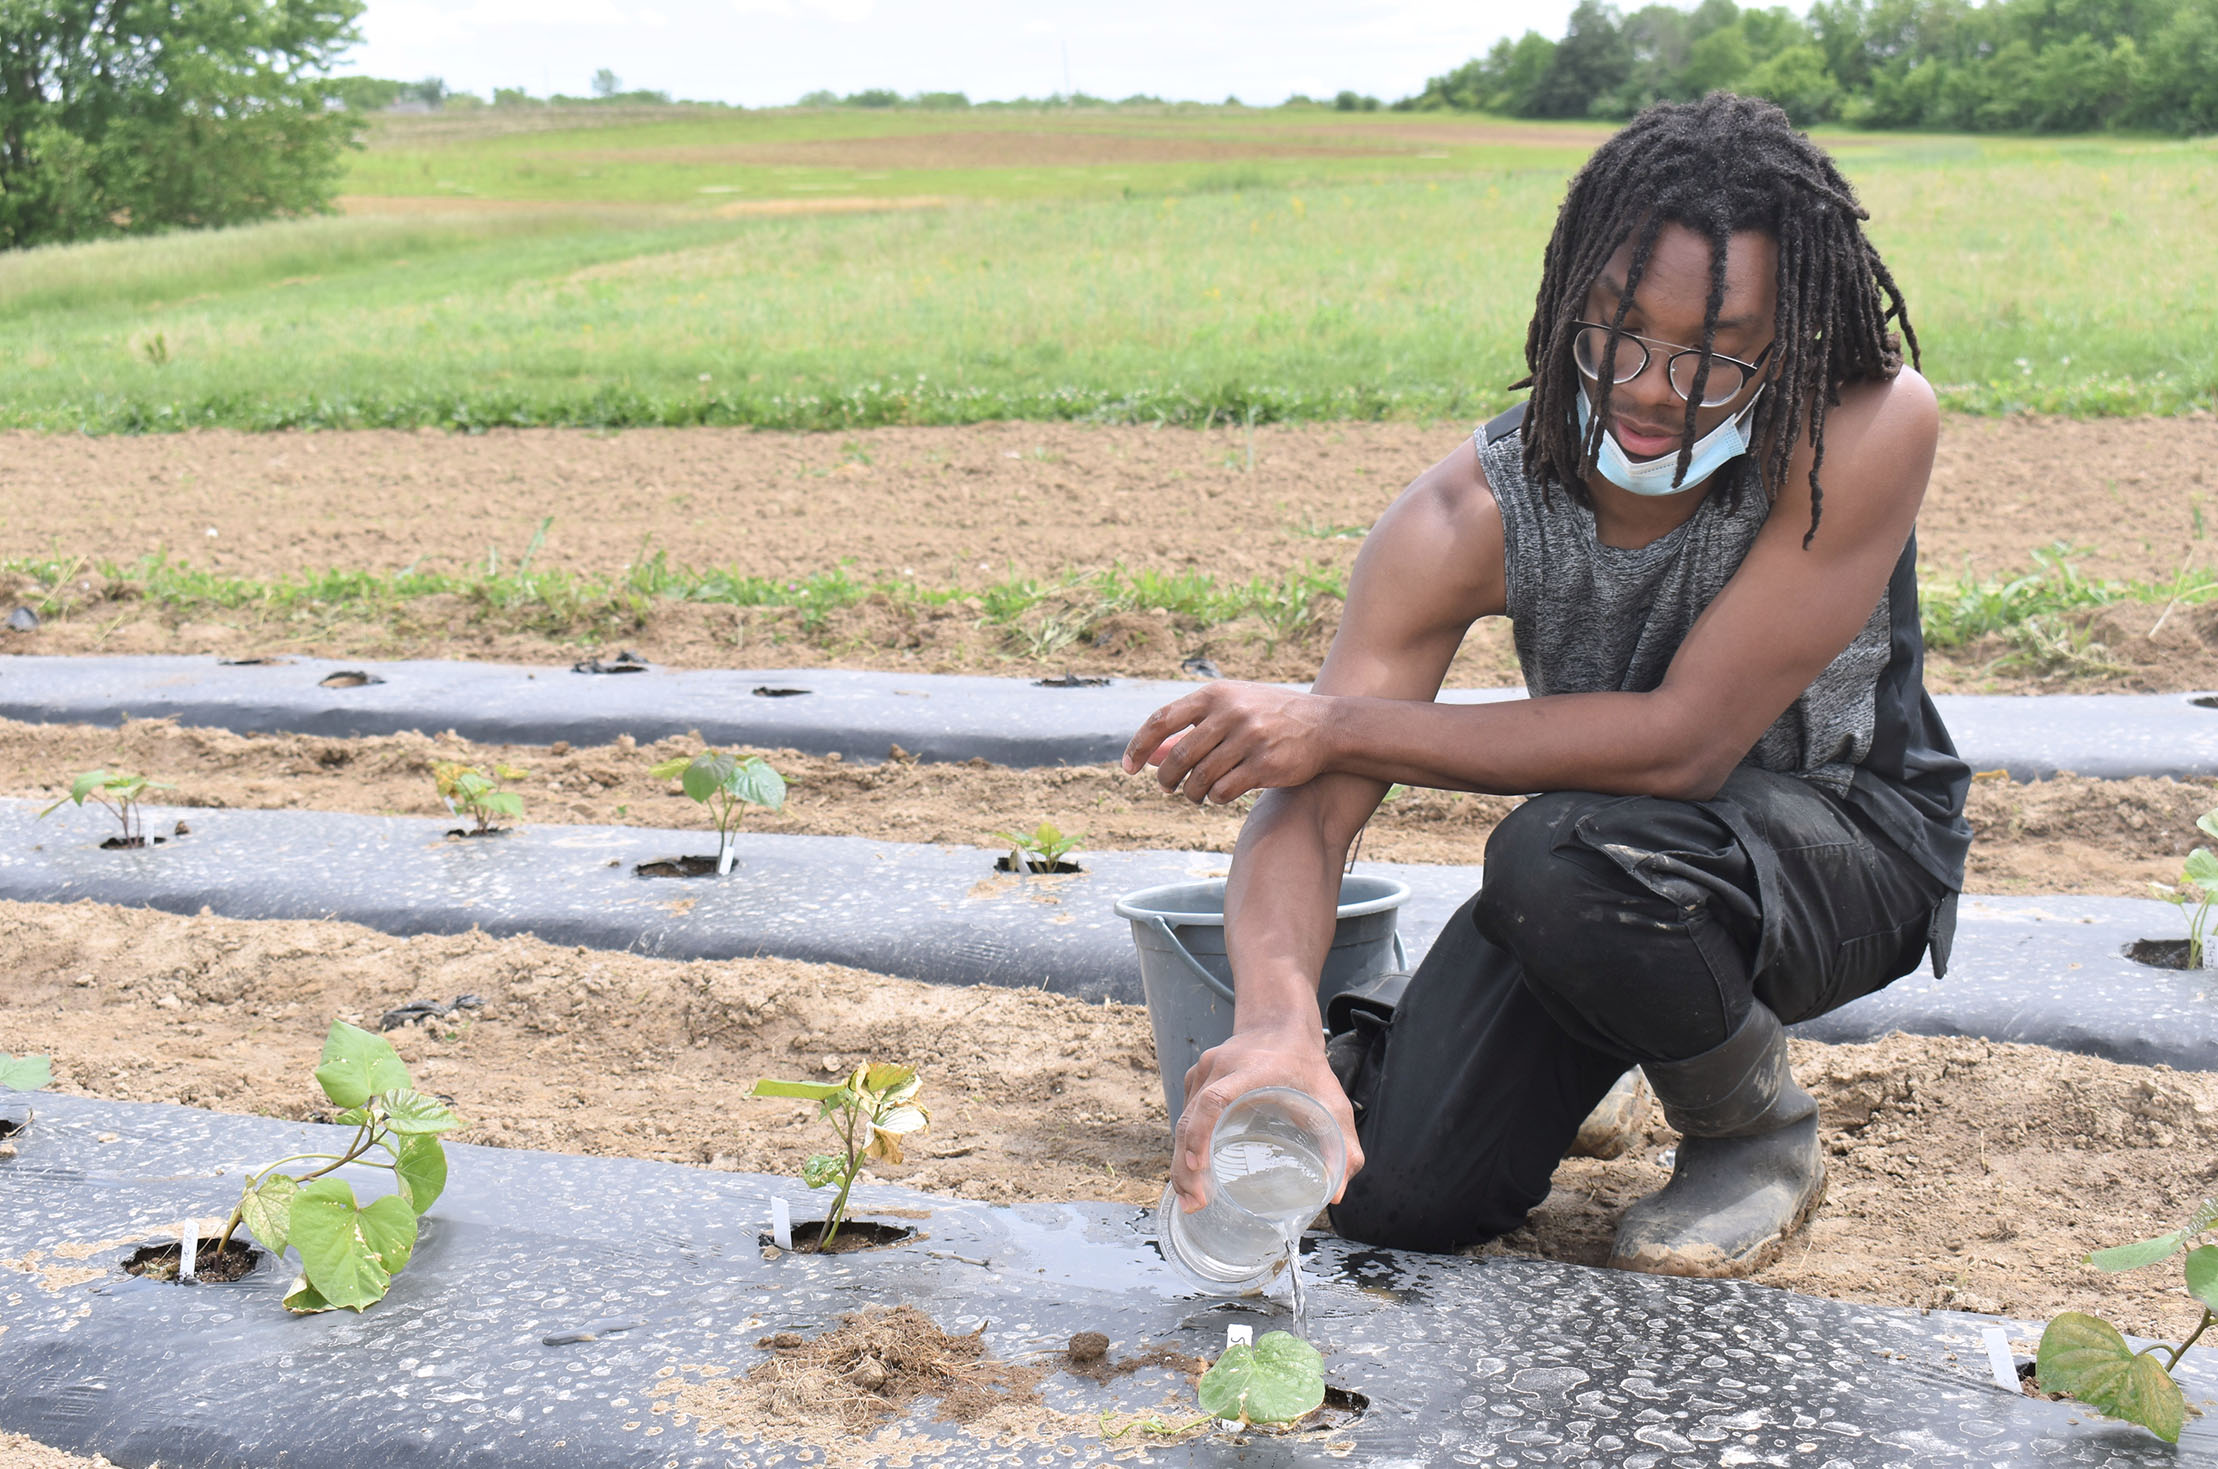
[[940, 100], [367, 94], [431, 91], [606, 83], [1592, 61], [818, 98], [514, 97], [118, 117], [1350, 101], [874, 97]]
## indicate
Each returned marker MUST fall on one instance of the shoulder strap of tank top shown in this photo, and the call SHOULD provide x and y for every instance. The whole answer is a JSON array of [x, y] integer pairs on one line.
[[1503, 424]]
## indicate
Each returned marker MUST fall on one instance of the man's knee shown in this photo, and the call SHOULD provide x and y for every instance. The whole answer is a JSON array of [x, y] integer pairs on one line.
[[1557, 871]]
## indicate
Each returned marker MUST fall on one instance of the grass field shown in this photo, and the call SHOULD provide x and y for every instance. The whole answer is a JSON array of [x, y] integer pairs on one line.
[[1194, 264]]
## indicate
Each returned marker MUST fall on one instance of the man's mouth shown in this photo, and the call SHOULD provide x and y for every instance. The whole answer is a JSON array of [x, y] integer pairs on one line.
[[1644, 442]]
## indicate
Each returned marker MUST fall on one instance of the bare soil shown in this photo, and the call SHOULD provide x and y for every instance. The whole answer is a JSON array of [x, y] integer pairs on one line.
[[2066, 835], [1964, 1173], [962, 508]]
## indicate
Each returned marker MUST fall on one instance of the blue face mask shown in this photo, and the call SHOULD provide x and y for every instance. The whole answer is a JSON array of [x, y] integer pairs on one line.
[[1715, 449]]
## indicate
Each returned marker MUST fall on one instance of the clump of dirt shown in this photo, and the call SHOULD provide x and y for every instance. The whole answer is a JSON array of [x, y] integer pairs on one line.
[[1087, 1356], [829, 1391]]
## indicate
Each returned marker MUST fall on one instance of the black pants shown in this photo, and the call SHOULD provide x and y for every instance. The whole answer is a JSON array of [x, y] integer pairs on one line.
[[1612, 930]]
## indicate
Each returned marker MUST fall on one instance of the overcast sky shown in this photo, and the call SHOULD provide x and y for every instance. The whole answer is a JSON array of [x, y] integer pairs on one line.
[[766, 52]]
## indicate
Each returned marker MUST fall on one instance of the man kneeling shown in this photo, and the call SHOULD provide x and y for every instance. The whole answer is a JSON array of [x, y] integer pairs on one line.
[[1700, 525]]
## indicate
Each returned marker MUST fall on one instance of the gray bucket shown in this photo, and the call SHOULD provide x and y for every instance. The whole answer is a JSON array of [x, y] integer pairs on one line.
[[1180, 931]]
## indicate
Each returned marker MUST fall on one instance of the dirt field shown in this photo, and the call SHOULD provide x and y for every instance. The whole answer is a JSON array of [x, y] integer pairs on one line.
[[1963, 1174], [2067, 835], [964, 508]]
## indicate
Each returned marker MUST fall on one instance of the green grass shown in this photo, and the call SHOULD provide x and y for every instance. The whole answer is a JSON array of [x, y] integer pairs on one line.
[[1036, 616], [2072, 276]]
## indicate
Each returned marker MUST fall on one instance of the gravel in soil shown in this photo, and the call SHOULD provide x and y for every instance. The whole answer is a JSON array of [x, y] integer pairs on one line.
[[1964, 1173], [967, 507], [2065, 835]]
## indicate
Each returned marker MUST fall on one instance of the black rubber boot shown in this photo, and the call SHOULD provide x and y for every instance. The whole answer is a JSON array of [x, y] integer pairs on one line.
[[1749, 1169]]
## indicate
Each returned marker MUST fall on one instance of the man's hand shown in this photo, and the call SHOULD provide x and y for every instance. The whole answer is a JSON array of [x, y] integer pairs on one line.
[[1227, 739], [1252, 1059]]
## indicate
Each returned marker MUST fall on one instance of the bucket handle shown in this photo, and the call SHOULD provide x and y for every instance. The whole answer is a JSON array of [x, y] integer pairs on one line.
[[1215, 985]]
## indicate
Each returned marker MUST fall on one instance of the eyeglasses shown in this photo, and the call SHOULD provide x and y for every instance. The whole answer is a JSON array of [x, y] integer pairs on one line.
[[1728, 375]]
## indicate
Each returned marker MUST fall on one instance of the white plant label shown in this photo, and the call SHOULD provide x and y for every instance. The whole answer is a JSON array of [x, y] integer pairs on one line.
[[1999, 1360], [781, 1223], [188, 1250], [1239, 1336]]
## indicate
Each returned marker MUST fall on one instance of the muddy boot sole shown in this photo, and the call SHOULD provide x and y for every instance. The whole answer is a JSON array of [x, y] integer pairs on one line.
[[1616, 1122]]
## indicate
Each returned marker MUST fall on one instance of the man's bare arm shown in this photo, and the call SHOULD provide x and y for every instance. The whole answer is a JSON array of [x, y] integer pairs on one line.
[[1429, 567]]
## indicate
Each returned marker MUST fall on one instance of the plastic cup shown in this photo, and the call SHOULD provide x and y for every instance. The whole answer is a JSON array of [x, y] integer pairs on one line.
[[1276, 1157]]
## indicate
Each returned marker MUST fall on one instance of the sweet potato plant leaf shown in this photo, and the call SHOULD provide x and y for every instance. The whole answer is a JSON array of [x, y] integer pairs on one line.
[[420, 1168], [2085, 1357], [502, 803], [267, 1210], [305, 1298], [2139, 1254], [84, 785], [24, 1073], [2208, 823], [756, 783], [801, 1091], [703, 774], [412, 1112], [2168, 893], [2202, 1274], [2202, 868], [906, 1118], [822, 1170], [884, 1147], [352, 1117], [1277, 1380], [357, 1066], [350, 1253], [884, 1078], [670, 769]]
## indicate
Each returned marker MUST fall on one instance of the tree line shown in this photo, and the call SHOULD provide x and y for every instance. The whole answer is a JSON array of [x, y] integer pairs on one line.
[[2005, 65]]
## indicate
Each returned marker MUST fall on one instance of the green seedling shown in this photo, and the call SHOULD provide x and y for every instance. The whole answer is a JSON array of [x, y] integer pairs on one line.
[[872, 1110], [2087, 1358], [1041, 849], [24, 1073], [120, 792], [350, 1252], [727, 785], [1277, 1380], [2196, 892], [469, 791]]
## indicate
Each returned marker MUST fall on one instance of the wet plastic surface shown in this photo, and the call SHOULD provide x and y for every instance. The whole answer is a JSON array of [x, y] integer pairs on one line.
[[2048, 971], [550, 1296], [1010, 721]]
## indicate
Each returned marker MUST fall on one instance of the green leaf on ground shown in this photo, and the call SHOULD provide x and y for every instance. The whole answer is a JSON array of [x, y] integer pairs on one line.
[[420, 1168], [806, 1091], [357, 1066], [1277, 1380], [2085, 1357], [268, 1211], [24, 1073], [350, 1253]]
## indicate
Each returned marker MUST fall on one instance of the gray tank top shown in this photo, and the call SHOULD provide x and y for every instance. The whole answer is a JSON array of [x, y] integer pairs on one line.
[[1591, 618]]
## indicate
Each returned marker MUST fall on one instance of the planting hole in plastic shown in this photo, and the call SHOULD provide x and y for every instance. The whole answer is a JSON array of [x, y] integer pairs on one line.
[[2206, 701], [347, 678], [675, 867], [251, 662], [854, 1236], [160, 1262], [765, 691], [2158, 953], [624, 662], [1033, 865], [1071, 681]]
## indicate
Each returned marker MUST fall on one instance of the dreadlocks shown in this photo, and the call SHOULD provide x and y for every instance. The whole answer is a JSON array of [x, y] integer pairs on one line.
[[1723, 164]]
